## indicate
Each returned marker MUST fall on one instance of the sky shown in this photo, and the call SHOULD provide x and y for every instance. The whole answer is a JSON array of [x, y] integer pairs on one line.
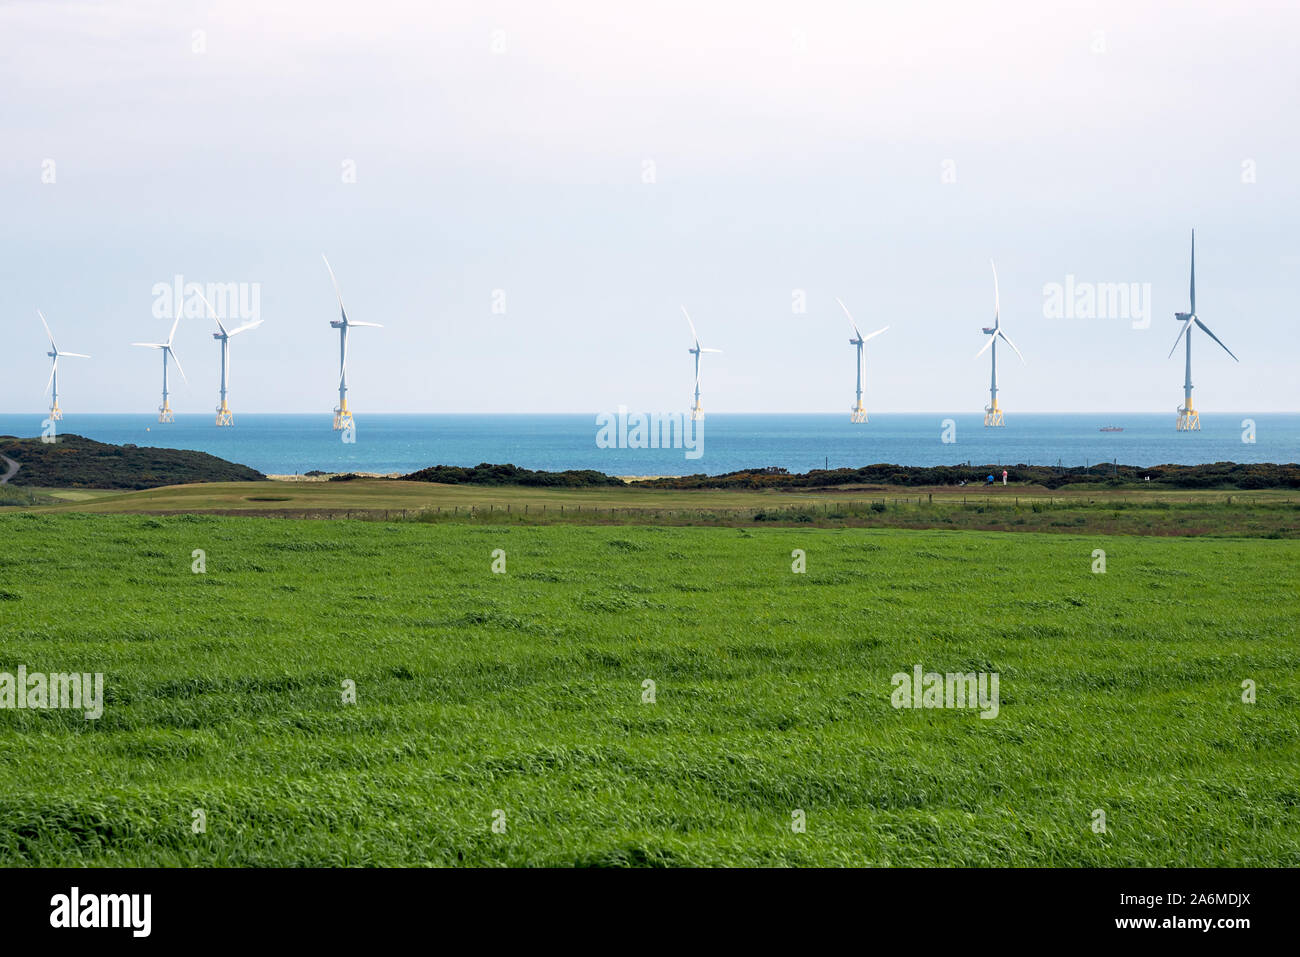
[[525, 194]]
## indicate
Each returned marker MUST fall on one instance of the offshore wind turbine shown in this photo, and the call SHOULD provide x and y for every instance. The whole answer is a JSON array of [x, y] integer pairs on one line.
[[53, 385], [992, 412], [224, 415], [697, 410], [859, 411], [1189, 420], [165, 413], [342, 415]]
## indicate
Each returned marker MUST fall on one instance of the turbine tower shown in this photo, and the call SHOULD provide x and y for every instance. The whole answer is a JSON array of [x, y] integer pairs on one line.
[[53, 385], [697, 410], [165, 413], [342, 415], [859, 411], [224, 415], [992, 412], [1189, 420]]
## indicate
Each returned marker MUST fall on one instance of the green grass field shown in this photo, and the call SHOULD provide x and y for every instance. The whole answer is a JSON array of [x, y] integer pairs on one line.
[[522, 693]]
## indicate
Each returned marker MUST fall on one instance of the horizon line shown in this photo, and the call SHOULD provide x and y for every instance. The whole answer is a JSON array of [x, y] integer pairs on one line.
[[632, 411]]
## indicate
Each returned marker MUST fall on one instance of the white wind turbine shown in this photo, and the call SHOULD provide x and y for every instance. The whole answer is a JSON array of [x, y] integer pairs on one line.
[[53, 385], [697, 410], [859, 411], [224, 415], [1189, 420], [992, 412], [342, 416], [165, 413]]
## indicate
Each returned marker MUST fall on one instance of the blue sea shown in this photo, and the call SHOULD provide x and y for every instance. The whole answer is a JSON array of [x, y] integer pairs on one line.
[[287, 444]]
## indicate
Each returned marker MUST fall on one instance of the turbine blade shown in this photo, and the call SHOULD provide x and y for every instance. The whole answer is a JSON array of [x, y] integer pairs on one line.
[[212, 312], [50, 381], [149, 345], [873, 335], [1181, 332], [997, 299], [856, 333], [75, 355], [702, 349], [1206, 329], [338, 294], [1003, 336], [172, 335], [248, 325], [47, 330], [1193, 288], [986, 347], [177, 360], [373, 325], [694, 335]]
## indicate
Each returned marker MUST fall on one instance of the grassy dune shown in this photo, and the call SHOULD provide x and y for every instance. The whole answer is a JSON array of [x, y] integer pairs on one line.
[[522, 692], [1268, 513]]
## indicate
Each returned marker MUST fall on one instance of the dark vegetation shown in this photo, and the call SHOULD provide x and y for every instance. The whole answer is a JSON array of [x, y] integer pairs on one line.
[[1219, 475], [73, 461], [485, 474]]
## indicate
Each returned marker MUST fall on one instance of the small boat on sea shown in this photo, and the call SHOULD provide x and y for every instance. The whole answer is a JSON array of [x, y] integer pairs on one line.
[[1111, 428]]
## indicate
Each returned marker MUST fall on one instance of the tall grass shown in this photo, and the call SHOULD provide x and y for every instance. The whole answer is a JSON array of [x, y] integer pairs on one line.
[[523, 693]]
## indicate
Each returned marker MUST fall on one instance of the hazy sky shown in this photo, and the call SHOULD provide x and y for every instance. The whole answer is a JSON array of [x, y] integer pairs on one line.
[[502, 150]]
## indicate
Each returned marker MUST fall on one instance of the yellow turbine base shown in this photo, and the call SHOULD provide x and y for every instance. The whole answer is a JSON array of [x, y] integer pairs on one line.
[[993, 417], [342, 419], [165, 413], [697, 414], [858, 414], [1189, 420], [225, 416], [56, 414]]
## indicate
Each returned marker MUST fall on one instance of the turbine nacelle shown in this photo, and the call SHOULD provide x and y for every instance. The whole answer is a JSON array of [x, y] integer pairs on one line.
[[226, 334], [697, 348]]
